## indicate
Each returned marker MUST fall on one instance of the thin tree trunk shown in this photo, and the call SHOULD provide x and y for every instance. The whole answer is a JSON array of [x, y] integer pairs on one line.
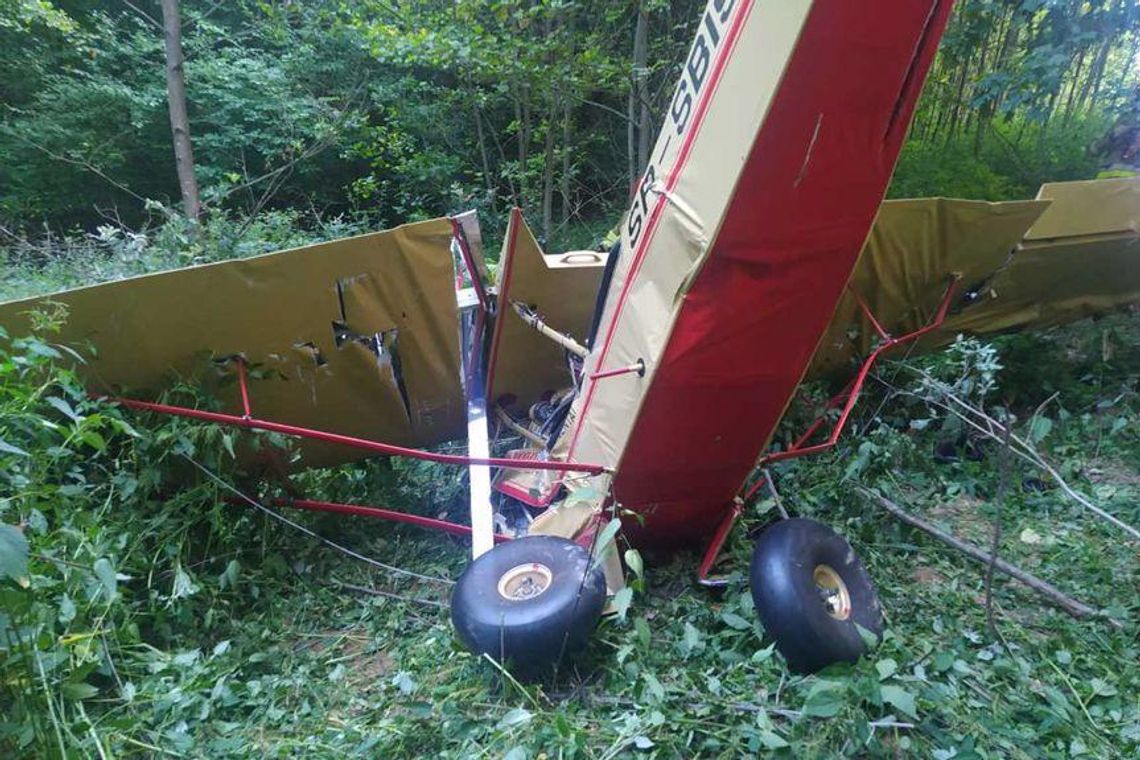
[[1096, 74], [564, 177], [981, 119], [548, 177], [483, 154], [631, 135], [1073, 90], [952, 126], [179, 120], [641, 74], [522, 116]]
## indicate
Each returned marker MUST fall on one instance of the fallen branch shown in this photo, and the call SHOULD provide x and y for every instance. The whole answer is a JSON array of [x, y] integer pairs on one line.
[[983, 423], [1074, 607]]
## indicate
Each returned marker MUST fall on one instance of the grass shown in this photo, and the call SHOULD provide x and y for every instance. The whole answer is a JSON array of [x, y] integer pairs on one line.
[[143, 615], [221, 633]]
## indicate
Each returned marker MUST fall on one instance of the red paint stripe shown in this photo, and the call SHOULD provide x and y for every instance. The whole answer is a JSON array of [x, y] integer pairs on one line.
[[731, 38]]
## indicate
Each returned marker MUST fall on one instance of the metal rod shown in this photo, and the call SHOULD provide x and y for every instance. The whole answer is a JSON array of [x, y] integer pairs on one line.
[[252, 423], [638, 367], [521, 430], [867, 313], [716, 544], [531, 318], [469, 262], [798, 450], [245, 407], [379, 513]]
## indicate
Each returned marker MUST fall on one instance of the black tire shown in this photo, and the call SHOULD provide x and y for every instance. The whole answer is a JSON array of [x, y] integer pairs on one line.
[[499, 609], [810, 629]]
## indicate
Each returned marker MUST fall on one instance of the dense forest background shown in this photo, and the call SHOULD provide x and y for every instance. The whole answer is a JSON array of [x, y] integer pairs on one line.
[[324, 117]]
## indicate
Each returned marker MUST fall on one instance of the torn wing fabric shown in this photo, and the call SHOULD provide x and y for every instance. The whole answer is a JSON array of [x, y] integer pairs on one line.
[[914, 249], [357, 336], [1074, 252], [1081, 259]]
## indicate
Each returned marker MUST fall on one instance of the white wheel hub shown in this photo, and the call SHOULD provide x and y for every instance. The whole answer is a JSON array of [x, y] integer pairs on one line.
[[525, 581]]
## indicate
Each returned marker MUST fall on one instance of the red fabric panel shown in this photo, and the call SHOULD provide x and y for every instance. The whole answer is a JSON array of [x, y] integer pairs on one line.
[[803, 206]]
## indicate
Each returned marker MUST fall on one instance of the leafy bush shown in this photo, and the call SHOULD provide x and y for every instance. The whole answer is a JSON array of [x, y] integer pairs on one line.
[[102, 559]]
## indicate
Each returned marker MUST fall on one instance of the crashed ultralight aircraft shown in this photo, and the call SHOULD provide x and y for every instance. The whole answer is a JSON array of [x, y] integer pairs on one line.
[[652, 377]]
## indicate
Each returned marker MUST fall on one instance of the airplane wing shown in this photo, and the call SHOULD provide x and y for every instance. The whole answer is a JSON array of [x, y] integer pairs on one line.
[[358, 335], [1074, 252]]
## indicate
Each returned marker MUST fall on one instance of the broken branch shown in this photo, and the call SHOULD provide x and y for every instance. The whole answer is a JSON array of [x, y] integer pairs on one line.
[[1074, 607]]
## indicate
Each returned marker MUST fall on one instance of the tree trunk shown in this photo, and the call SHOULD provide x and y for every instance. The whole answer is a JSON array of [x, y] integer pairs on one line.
[[959, 94], [522, 116], [1073, 90], [483, 154], [564, 177], [179, 121], [548, 177], [631, 135], [641, 85]]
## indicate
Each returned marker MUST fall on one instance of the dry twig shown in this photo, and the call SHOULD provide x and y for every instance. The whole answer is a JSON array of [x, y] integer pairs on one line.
[[1074, 607]]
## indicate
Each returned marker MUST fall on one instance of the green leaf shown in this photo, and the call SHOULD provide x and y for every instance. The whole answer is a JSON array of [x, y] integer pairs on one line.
[[8, 448], [621, 602], [692, 639], [516, 717], [771, 740], [824, 700], [1039, 428], [93, 439], [78, 691], [653, 686], [105, 571], [643, 742], [869, 637], [1102, 688], [899, 698], [634, 562], [13, 552], [732, 620], [886, 667], [184, 585], [63, 407], [606, 537], [66, 610], [404, 682], [228, 442]]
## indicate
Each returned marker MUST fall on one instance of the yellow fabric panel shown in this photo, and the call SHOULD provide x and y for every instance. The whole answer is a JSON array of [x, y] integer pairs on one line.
[[913, 249], [278, 311], [562, 288], [1095, 207], [1080, 259], [1056, 282]]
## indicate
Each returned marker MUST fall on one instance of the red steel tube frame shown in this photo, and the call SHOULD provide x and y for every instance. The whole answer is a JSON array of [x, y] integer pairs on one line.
[[249, 422], [798, 449], [378, 513], [716, 544], [469, 262], [855, 387]]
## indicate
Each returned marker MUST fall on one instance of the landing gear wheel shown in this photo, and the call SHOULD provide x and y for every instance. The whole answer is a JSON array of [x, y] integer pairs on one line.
[[528, 603], [813, 594]]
